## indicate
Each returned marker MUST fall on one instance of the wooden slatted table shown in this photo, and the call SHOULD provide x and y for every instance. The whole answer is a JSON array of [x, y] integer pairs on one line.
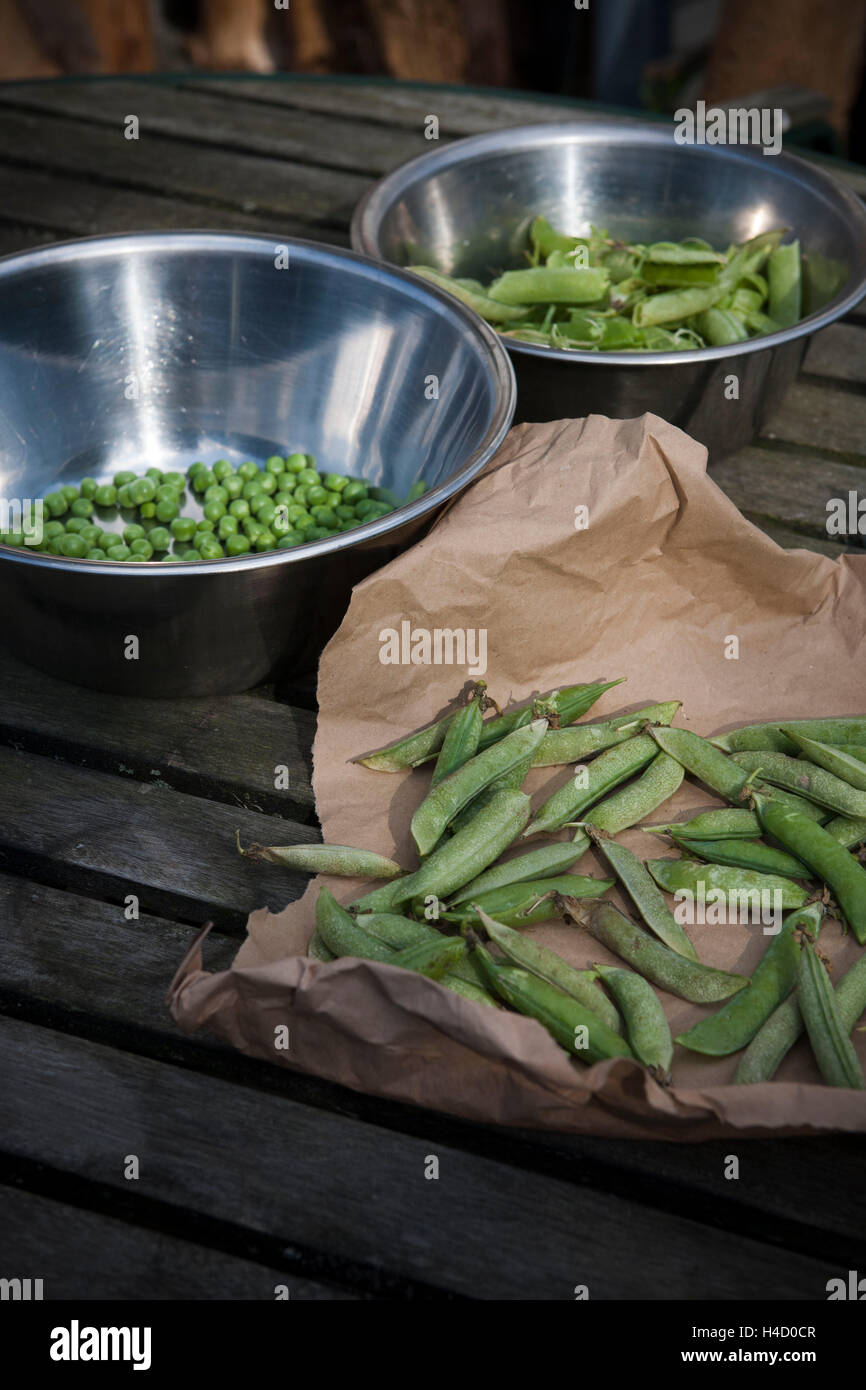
[[251, 1177]]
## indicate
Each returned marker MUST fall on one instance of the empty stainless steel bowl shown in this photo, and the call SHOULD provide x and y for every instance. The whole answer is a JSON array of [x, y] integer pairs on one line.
[[465, 209], [158, 349]]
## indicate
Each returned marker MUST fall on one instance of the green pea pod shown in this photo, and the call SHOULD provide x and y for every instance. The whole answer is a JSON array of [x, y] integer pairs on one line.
[[680, 253], [546, 239], [467, 990], [396, 931], [569, 745], [563, 706], [462, 735], [836, 760], [318, 950], [744, 854], [431, 958], [646, 1025], [549, 285], [737, 1022], [674, 305], [636, 880], [834, 730], [719, 327], [806, 780], [576, 1028], [716, 769], [509, 781], [493, 310], [849, 833], [535, 863], [629, 805], [772, 1043], [786, 284], [341, 933], [409, 751], [459, 859], [540, 960], [726, 824], [741, 887], [677, 276], [525, 904], [825, 856], [591, 783], [442, 804], [340, 860], [700, 984], [833, 1048]]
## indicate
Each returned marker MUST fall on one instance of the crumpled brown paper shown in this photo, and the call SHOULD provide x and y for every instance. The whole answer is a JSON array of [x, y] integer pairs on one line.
[[664, 576]]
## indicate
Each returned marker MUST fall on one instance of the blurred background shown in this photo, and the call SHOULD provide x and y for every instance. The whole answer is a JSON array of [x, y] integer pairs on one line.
[[654, 55]]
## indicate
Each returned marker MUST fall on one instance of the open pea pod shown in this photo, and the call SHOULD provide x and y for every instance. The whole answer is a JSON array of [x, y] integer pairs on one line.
[[493, 310]]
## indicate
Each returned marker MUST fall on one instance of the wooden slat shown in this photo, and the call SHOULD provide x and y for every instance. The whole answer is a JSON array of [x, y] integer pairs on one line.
[[790, 539], [352, 1191], [228, 747], [822, 418], [231, 120], [82, 1255], [110, 836], [790, 488], [50, 970], [839, 351], [311, 196], [73, 207]]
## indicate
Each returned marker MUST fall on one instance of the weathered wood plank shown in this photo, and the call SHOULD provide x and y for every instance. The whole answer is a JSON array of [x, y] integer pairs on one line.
[[838, 351], [790, 539], [341, 1187], [51, 969], [73, 207], [822, 418], [230, 747], [229, 119], [83, 1255], [789, 487], [110, 836], [311, 196]]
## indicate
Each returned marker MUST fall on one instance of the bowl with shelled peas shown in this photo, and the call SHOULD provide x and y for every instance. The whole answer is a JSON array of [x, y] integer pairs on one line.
[[627, 272], [207, 439]]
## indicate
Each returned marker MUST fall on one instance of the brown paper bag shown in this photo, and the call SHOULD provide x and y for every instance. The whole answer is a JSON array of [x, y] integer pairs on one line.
[[668, 586]]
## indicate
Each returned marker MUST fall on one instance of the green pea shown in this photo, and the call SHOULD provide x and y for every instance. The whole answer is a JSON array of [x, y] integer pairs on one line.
[[237, 545], [88, 488], [233, 485], [124, 497], [205, 524], [296, 463], [183, 528], [133, 532], [367, 506], [354, 491], [106, 540], [124, 476], [175, 480], [316, 496], [159, 537], [147, 510], [300, 496], [280, 524], [275, 464], [227, 526], [167, 492], [70, 491], [118, 552], [76, 523], [324, 516], [335, 481], [349, 525], [56, 503], [240, 507], [251, 527], [141, 549], [316, 533], [222, 469], [142, 490], [252, 489], [264, 509], [95, 554], [167, 510], [202, 480], [81, 507], [308, 477], [52, 528], [344, 512], [268, 482], [154, 473], [332, 499], [296, 512], [248, 470], [265, 540], [195, 468], [290, 540], [215, 493], [210, 548]]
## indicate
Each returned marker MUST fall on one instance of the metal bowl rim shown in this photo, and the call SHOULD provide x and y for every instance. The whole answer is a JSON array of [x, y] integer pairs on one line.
[[368, 213], [500, 365]]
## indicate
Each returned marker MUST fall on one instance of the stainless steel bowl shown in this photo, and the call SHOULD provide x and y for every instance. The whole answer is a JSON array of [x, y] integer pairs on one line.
[[158, 349], [465, 209]]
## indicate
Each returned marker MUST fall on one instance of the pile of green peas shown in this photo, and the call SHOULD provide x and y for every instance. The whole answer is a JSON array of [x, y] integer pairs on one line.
[[243, 510]]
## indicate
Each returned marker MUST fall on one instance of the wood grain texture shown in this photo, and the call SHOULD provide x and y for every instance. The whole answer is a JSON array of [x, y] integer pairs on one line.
[[334, 1185], [790, 487], [84, 1255], [821, 417], [111, 836], [233, 748], [839, 352]]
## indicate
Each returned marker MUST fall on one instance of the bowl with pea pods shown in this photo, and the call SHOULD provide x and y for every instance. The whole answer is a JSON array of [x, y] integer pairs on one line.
[[207, 439], [626, 272]]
